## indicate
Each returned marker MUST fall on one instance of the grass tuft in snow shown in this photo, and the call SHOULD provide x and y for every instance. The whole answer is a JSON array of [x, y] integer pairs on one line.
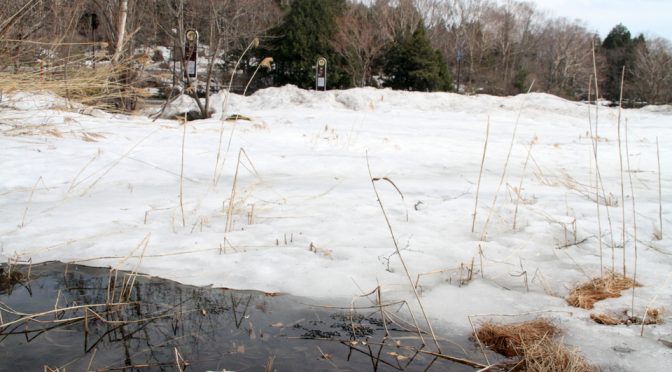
[[508, 339], [531, 344], [609, 285], [653, 316]]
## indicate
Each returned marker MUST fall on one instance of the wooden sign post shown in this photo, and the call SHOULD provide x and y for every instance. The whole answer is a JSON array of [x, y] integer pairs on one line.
[[190, 53], [321, 74]]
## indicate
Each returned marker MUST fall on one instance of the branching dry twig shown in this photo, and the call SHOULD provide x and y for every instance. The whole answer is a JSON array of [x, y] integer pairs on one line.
[[398, 251]]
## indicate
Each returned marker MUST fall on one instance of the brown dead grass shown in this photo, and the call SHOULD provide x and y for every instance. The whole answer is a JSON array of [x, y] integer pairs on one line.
[[652, 317], [74, 80], [606, 319], [609, 285], [551, 356], [508, 339], [532, 344]]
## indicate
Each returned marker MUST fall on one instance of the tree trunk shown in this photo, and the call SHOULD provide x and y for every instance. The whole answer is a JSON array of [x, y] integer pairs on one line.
[[121, 29]]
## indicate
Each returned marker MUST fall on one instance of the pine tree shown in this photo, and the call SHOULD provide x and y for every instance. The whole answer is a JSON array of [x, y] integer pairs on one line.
[[619, 48], [304, 36], [411, 63]]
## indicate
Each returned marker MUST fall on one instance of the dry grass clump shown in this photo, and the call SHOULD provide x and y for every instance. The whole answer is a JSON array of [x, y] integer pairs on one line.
[[532, 344], [606, 319], [652, 317], [550, 356], [508, 339], [609, 285], [74, 80]]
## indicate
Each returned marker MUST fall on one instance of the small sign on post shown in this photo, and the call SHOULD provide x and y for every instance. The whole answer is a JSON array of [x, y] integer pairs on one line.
[[321, 74], [190, 53]]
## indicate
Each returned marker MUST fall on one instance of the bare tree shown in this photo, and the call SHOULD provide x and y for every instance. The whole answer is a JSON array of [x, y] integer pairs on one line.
[[565, 59], [653, 71], [362, 34]]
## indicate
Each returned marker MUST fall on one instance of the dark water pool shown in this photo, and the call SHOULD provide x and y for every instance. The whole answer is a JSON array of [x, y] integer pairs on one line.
[[92, 319]]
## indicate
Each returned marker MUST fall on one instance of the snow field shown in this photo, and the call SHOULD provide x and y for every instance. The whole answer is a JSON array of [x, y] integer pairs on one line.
[[89, 189]]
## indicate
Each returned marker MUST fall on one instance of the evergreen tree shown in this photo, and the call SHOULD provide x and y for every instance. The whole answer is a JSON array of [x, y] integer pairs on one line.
[[411, 63], [619, 50], [304, 36]]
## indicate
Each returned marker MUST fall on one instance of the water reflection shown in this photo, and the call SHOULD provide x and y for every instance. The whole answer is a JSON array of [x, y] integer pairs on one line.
[[77, 318]]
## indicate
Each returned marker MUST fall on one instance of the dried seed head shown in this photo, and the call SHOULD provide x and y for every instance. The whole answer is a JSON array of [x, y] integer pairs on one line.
[[266, 62]]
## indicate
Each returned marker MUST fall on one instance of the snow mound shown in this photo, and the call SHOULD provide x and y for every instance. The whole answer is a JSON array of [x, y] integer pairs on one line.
[[181, 105], [385, 100], [290, 96], [26, 101], [659, 109]]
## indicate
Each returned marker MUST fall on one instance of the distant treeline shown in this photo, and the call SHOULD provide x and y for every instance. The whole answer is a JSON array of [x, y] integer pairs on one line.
[[476, 46]]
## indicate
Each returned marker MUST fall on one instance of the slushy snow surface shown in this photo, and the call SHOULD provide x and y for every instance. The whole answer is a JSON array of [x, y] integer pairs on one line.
[[289, 205]]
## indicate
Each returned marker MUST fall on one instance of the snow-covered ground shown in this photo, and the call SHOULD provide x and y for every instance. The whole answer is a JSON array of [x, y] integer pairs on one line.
[[302, 217]]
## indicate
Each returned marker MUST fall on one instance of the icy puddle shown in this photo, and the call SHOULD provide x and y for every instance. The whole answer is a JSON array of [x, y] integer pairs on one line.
[[77, 318]]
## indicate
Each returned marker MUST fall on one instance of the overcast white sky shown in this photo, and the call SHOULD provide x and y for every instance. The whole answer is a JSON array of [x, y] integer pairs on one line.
[[651, 17]]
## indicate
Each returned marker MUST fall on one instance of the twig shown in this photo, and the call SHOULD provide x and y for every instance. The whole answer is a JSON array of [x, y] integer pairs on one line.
[[184, 135], [480, 173], [26, 317], [30, 202], [401, 259], [72, 183], [660, 194], [506, 164], [93, 355], [620, 161], [438, 355], [478, 340], [232, 197], [266, 63], [225, 106], [599, 185], [634, 218], [117, 161], [520, 185]]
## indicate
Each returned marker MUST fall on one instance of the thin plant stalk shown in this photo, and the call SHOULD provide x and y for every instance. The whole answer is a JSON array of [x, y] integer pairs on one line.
[[634, 216], [30, 202], [266, 63], [597, 202], [660, 195], [520, 185], [595, 140], [401, 258], [599, 175], [184, 135], [251, 78], [620, 159], [480, 173], [232, 196], [597, 89], [599, 184], [229, 213], [506, 164], [225, 106]]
